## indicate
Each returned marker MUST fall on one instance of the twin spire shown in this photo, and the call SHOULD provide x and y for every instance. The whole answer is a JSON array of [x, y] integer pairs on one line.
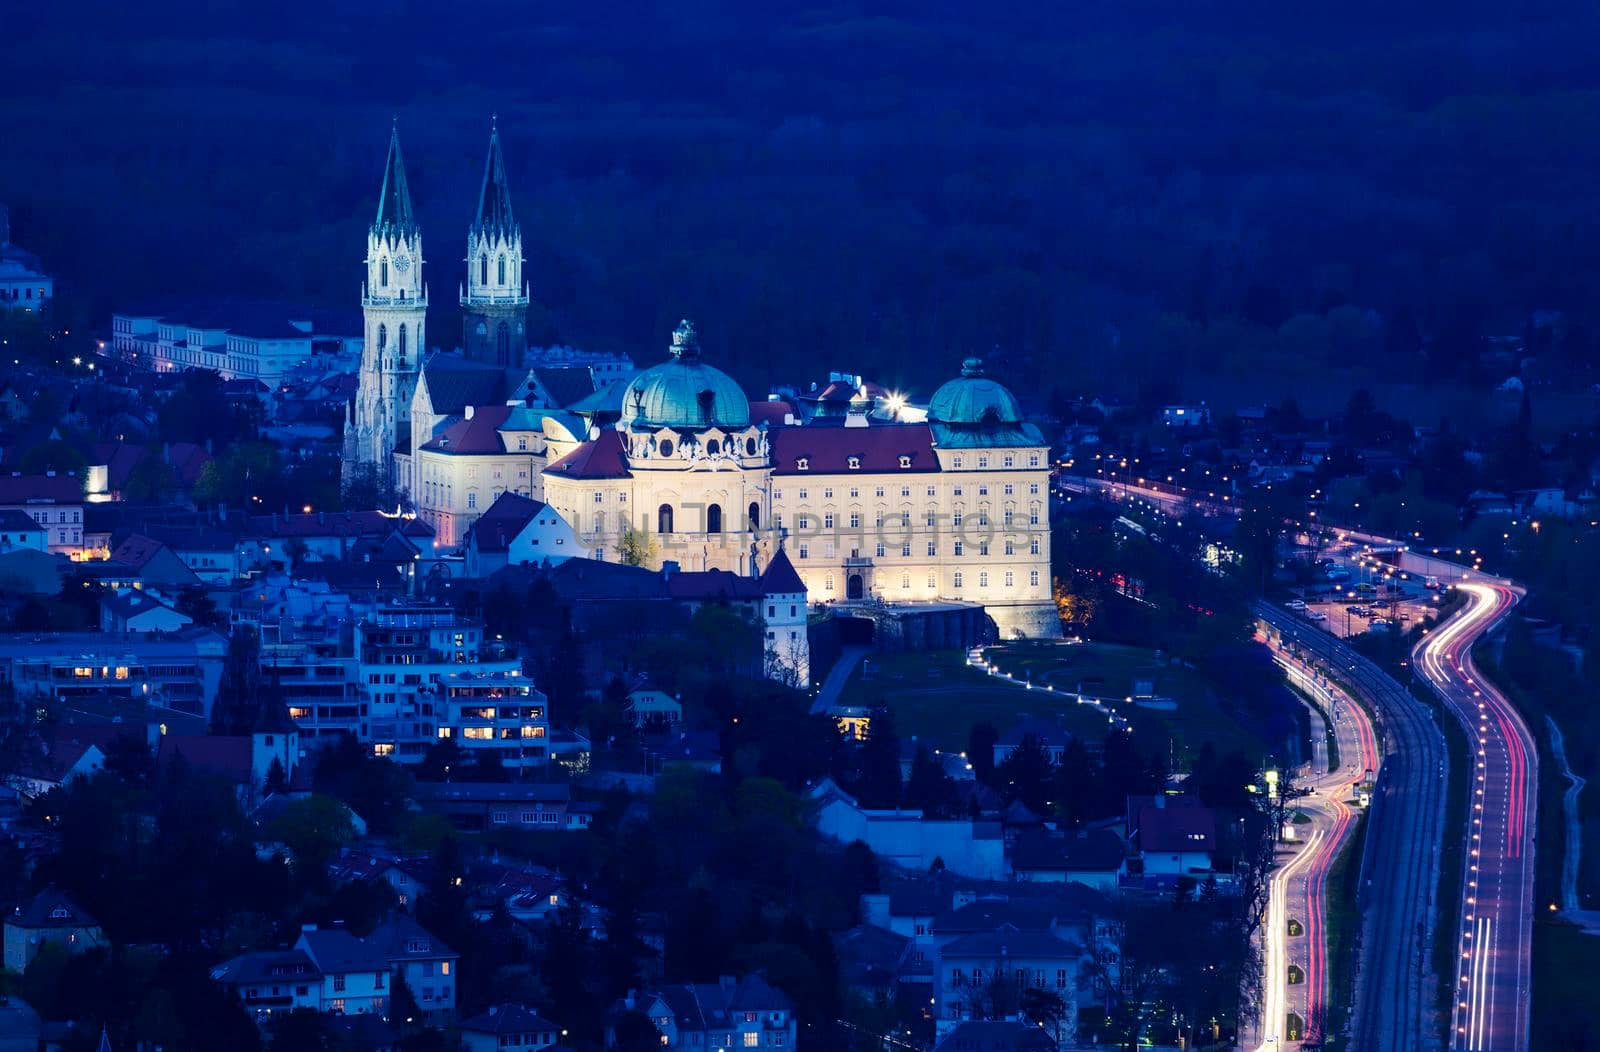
[[494, 200], [394, 204]]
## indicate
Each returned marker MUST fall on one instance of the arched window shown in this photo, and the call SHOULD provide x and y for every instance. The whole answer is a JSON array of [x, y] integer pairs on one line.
[[755, 516], [502, 344], [383, 271], [483, 269], [502, 270], [711, 447], [664, 519], [714, 519], [383, 336], [402, 344]]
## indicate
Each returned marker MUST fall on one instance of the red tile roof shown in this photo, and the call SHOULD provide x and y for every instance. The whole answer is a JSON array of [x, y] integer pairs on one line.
[[505, 518], [1175, 829], [771, 413], [42, 489], [827, 450], [479, 433], [599, 458], [137, 550]]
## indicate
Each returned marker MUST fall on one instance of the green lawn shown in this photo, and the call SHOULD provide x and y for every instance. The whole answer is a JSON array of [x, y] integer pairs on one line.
[[937, 697]]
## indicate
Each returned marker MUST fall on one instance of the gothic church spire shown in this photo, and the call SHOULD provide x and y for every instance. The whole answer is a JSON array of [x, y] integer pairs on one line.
[[494, 200], [394, 203]]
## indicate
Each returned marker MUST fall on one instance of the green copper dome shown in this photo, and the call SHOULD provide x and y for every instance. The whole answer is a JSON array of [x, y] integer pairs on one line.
[[685, 392], [973, 399]]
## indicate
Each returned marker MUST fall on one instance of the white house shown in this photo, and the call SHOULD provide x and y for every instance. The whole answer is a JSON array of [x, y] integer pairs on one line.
[[907, 839], [516, 530], [136, 610]]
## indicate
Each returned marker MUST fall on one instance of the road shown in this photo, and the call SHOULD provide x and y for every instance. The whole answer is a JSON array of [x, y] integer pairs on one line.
[[1395, 990], [1301, 889], [1495, 926], [1495, 935]]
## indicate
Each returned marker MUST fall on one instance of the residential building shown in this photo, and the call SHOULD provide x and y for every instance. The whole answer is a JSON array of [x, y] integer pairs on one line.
[[517, 530], [908, 839], [54, 502], [327, 970], [133, 610], [179, 671], [240, 340], [49, 917], [428, 966], [478, 806], [19, 532], [980, 975], [508, 1028], [1172, 836], [729, 1014], [409, 655], [1094, 858]]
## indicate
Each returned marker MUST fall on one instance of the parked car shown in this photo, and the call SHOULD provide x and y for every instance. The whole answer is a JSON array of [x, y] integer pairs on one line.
[[1296, 604], [1316, 615]]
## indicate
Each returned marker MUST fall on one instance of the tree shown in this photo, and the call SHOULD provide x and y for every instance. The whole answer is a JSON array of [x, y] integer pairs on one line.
[[301, 1028], [53, 455], [314, 828], [879, 784], [930, 789], [197, 605], [636, 547], [634, 1032], [1047, 1009], [981, 741], [238, 703], [1025, 774], [277, 780]]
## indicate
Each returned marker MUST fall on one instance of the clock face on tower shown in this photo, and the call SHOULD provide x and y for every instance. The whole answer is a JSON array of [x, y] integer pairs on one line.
[[402, 263]]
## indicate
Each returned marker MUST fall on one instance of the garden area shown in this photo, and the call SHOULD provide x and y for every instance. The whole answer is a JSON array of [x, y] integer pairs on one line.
[[938, 696]]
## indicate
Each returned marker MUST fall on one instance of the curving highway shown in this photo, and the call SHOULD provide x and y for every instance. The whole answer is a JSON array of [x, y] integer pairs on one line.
[[1395, 988], [1332, 823], [1495, 936]]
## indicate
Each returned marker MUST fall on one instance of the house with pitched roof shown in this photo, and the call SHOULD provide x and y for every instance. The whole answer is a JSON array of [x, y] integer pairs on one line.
[[18, 532], [328, 970], [54, 502], [428, 966], [732, 1013], [508, 1028], [1091, 857], [49, 917], [980, 976], [135, 610], [517, 530], [154, 563], [1172, 836]]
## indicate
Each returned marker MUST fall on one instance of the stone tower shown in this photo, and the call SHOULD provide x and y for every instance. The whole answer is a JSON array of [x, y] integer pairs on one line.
[[394, 304], [494, 301]]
